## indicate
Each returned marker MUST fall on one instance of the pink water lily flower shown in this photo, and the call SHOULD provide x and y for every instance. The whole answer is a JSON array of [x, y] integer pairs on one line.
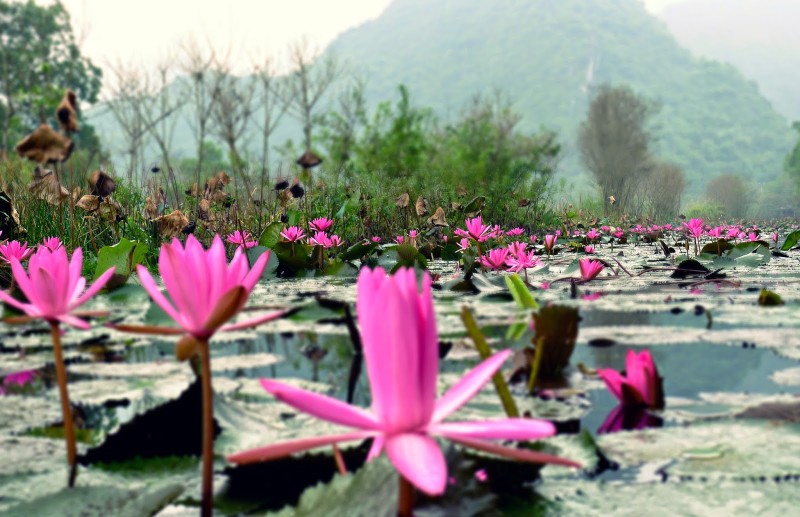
[[592, 234], [715, 232], [320, 224], [589, 249], [513, 232], [54, 287], [522, 261], [590, 268], [335, 241], [463, 245], [495, 259], [398, 331], [200, 283], [243, 239], [293, 234], [549, 242], [694, 228], [15, 250], [320, 239], [641, 385], [475, 229], [52, 243]]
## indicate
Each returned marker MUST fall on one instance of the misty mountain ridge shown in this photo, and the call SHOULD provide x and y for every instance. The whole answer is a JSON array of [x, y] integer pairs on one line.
[[549, 56]]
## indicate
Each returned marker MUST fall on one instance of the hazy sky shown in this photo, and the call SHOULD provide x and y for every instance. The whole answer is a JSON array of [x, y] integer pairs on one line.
[[146, 30]]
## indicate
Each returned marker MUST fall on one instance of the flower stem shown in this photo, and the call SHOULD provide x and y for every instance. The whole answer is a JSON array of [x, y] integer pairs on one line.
[[485, 352], [405, 498], [66, 410], [208, 431]]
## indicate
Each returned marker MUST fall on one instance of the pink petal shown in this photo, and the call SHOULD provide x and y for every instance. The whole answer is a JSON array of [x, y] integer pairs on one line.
[[501, 429], [468, 386], [279, 450], [74, 321], [614, 381], [23, 281], [155, 293], [418, 458], [24, 307], [516, 454], [377, 447], [321, 406], [252, 322], [635, 372], [94, 288]]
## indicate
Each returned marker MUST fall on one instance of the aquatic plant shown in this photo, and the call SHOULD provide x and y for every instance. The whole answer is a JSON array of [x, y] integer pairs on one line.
[[206, 292], [54, 288], [401, 347], [243, 239], [640, 385]]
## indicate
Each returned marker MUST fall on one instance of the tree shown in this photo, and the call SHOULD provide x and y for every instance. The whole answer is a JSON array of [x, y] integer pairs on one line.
[[273, 104], [614, 143], [395, 140], [307, 83], [39, 59], [792, 163], [731, 192], [663, 190], [128, 92], [201, 94], [341, 125]]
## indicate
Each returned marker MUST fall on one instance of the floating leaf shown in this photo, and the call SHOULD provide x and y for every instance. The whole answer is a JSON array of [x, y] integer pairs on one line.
[[124, 255], [769, 299]]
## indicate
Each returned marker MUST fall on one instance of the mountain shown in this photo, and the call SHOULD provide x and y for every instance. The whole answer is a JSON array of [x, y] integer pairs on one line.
[[759, 37], [550, 55]]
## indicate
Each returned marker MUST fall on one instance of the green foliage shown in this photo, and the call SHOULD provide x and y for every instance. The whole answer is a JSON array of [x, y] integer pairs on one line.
[[549, 56], [39, 59], [124, 256]]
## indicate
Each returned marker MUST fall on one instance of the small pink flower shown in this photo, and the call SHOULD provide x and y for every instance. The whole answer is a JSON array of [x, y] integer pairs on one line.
[[20, 379], [52, 243], [523, 260], [775, 237], [694, 227], [619, 234], [15, 250], [513, 232], [320, 239], [54, 286], [413, 234], [533, 238], [475, 229], [589, 249], [715, 232], [481, 476], [752, 236], [668, 226], [641, 384], [545, 285], [320, 224], [495, 259], [558, 233], [336, 241], [590, 268], [733, 232], [592, 234], [549, 242], [375, 239], [243, 239], [605, 229], [463, 245], [293, 234], [399, 239]]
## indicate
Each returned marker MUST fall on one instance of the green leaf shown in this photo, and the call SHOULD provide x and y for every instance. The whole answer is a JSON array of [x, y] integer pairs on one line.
[[520, 293], [351, 205], [358, 250], [475, 205], [124, 255], [293, 217], [271, 235], [791, 240]]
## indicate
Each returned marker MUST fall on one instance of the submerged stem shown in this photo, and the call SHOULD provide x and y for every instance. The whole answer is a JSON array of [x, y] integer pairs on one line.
[[485, 352], [405, 498], [66, 410], [208, 431]]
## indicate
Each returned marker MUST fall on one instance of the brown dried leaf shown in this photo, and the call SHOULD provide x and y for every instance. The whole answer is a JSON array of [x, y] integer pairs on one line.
[[150, 211], [89, 202], [171, 225], [45, 186], [403, 200], [421, 206], [203, 209], [66, 113], [44, 145], [101, 184], [437, 219], [461, 191]]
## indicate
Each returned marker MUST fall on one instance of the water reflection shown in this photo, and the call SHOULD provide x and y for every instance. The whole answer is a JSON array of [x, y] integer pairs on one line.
[[628, 418]]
